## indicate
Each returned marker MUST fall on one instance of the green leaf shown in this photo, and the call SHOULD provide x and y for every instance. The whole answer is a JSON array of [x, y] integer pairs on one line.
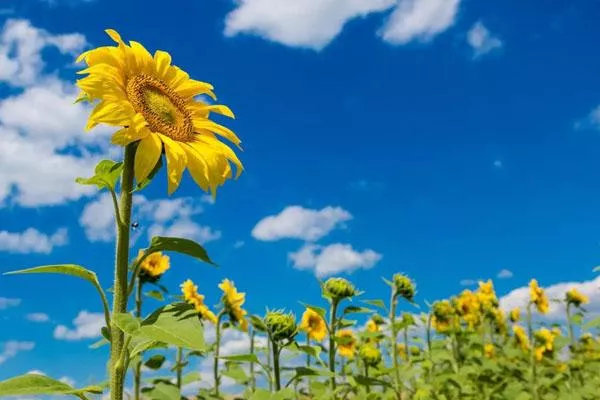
[[155, 294], [162, 391], [577, 319], [155, 362], [257, 323], [241, 358], [595, 323], [190, 377], [237, 373], [141, 345], [321, 311], [127, 323], [356, 310], [179, 245], [346, 323], [305, 371], [35, 384], [376, 303], [146, 182], [99, 343], [106, 175], [174, 324]]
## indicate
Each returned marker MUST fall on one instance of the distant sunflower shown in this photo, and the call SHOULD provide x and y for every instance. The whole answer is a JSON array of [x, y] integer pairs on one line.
[[153, 266], [233, 302], [347, 343], [314, 325], [154, 102], [191, 296], [538, 297]]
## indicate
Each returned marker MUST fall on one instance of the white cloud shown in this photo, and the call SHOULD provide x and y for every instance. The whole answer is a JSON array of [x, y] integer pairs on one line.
[[86, 326], [14, 347], [482, 41], [505, 274], [21, 45], [164, 217], [311, 24], [238, 244], [32, 241], [520, 296], [419, 20], [468, 282], [592, 121], [37, 317], [296, 222], [67, 380], [333, 259], [7, 303]]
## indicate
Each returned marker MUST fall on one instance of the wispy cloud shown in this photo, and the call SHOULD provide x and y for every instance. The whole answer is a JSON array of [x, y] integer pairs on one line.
[[505, 274], [32, 241], [482, 41], [7, 303], [37, 317], [14, 347]]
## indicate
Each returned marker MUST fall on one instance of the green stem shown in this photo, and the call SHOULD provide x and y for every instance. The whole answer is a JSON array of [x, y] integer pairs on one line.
[[137, 371], [269, 362], [393, 305], [276, 371], [367, 386], [117, 372], [217, 348], [179, 366], [570, 324], [534, 393], [252, 376], [332, 329], [406, 349], [429, 346]]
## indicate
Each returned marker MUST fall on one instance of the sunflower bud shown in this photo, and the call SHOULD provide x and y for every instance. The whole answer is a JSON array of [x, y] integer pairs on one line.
[[378, 319], [404, 287], [370, 355], [338, 289], [408, 319], [415, 351], [281, 326]]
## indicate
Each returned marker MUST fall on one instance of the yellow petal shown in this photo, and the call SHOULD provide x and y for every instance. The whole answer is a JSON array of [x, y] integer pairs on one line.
[[222, 149], [200, 123], [146, 156], [128, 135], [197, 167], [142, 56], [111, 113], [176, 162], [162, 60], [114, 35], [190, 88]]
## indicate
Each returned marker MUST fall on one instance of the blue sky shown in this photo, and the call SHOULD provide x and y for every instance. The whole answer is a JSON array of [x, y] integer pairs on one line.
[[447, 139]]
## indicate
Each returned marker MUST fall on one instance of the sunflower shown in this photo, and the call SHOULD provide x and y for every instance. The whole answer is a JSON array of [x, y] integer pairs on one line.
[[489, 350], [468, 307], [538, 297], [233, 302], [576, 298], [191, 296], [153, 266], [154, 103], [521, 338], [347, 343], [487, 295], [314, 325], [515, 314]]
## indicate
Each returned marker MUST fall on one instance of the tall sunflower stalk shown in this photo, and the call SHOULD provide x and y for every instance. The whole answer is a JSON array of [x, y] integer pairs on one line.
[[153, 103], [281, 329]]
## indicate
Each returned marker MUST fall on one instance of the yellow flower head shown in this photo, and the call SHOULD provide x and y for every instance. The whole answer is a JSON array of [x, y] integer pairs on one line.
[[576, 298], [515, 315], [562, 367], [314, 325], [154, 103], [487, 295], [468, 307], [370, 355], [544, 339], [538, 297], [521, 338], [233, 301], [489, 350], [401, 351], [500, 321], [153, 266], [444, 317], [346, 343], [403, 287], [191, 296]]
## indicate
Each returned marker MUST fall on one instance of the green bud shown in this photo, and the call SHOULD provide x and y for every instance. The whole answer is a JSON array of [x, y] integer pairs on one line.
[[370, 355], [404, 287], [378, 319], [338, 289], [281, 325], [415, 351], [408, 319]]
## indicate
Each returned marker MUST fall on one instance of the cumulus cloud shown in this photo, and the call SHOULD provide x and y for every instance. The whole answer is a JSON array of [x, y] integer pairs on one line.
[[591, 121], [7, 303], [311, 24], [296, 222], [505, 274], [86, 325], [333, 259], [162, 217], [419, 20], [482, 41], [14, 347], [519, 297], [32, 241], [37, 317]]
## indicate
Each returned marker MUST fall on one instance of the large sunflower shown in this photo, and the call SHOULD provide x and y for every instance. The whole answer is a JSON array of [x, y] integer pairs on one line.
[[155, 103]]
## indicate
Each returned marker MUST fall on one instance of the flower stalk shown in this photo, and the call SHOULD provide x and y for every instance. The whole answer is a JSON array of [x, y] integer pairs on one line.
[[137, 371], [217, 378]]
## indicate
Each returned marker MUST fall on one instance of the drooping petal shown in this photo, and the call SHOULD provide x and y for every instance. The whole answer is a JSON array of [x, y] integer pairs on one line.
[[111, 113], [200, 124], [176, 162], [197, 167], [146, 156], [128, 135], [190, 88]]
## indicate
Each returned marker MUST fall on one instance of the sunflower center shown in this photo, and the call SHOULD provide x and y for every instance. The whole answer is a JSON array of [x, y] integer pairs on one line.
[[163, 109]]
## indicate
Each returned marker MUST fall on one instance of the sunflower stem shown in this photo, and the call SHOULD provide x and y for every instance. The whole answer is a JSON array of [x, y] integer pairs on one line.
[[117, 372], [179, 366], [217, 348], [276, 371], [137, 372], [252, 376], [269, 362], [332, 326], [394, 330], [534, 393]]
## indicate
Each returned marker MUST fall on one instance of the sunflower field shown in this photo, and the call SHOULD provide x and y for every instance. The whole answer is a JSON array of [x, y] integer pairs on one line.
[[353, 345]]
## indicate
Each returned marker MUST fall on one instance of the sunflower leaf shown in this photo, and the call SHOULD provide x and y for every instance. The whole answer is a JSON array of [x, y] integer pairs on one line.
[[106, 175], [179, 245], [36, 384], [155, 362]]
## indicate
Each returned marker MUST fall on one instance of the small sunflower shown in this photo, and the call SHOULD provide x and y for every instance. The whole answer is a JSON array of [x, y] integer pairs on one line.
[[515, 315], [487, 295], [233, 302], [346, 343], [544, 339], [154, 103], [370, 355], [313, 324], [576, 298], [444, 317], [489, 350], [153, 266], [521, 338], [538, 297], [468, 307], [191, 296]]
